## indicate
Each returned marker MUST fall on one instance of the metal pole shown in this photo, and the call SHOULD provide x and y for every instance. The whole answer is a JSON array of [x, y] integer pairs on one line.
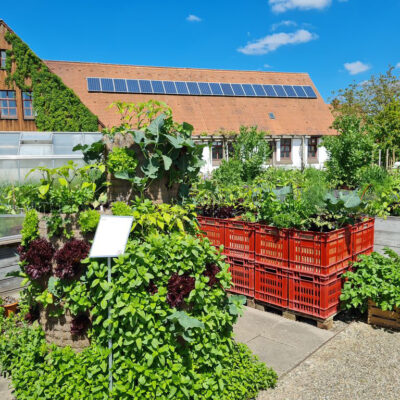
[[110, 357]]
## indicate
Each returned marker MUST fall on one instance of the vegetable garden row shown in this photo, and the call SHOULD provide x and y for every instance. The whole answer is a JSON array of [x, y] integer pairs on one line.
[[292, 269]]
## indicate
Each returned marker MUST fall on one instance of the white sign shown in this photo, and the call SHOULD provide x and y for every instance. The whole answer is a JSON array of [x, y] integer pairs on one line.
[[111, 236]]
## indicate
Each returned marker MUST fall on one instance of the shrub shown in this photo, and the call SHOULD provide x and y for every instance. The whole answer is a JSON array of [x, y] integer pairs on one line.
[[376, 277], [122, 159], [121, 208]]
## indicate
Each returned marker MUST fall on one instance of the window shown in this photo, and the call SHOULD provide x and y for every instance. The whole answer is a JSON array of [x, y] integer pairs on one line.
[[27, 105], [313, 149], [217, 153], [3, 56], [8, 104], [286, 149], [271, 115]]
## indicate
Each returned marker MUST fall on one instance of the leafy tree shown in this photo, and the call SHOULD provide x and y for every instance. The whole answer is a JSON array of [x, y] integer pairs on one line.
[[387, 126], [349, 151]]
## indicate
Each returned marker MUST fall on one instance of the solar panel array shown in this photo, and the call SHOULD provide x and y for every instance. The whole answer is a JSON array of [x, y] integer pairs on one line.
[[109, 85]]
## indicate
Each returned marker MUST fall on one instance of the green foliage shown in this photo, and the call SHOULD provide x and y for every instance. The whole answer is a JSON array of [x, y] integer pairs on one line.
[[30, 227], [377, 278], [349, 151], [88, 220], [94, 152], [122, 160], [14, 198], [166, 147], [386, 127], [182, 352], [56, 106], [251, 151], [69, 188], [121, 208]]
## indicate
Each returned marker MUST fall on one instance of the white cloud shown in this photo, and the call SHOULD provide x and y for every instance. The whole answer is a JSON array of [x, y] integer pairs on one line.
[[279, 6], [267, 66], [397, 65], [272, 42], [356, 67], [274, 27], [193, 18]]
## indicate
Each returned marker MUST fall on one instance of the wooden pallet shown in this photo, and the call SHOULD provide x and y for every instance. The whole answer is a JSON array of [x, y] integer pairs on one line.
[[326, 324], [385, 319]]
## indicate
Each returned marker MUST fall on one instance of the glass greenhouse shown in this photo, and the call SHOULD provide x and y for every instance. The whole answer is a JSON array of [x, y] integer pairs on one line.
[[22, 151]]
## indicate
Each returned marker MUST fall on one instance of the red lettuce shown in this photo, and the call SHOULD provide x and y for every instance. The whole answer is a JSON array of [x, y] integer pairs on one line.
[[179, 287], [210, 271], [69, 258]]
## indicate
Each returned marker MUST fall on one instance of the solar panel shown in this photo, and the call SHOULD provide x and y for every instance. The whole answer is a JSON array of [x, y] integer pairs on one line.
[[216, 89], [145, 86], [157, 87], [310, 92], [169, 87], [204, 88], [181, 87], [269, 90], [198, 88], [299, 91], [237, 89], [93, 84], [259, 90], [193, 88], [248, 89], [279, 91], [226, 89], [120, 85], [133, 86], [107, 85], [289, 90]]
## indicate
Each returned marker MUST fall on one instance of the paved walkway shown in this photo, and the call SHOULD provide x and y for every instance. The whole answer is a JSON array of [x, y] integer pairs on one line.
[[5, 392], [281, 343]]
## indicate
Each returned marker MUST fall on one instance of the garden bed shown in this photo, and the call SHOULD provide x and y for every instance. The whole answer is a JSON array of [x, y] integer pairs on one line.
[[386, 319]]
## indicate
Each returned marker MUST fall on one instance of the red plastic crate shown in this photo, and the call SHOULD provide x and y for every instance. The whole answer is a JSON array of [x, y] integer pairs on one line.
[[320, 253], [271, 285], [214, 229], [366, 252], [239, 239], [313, 295], [363, 236], [242, 272], [272, 245]]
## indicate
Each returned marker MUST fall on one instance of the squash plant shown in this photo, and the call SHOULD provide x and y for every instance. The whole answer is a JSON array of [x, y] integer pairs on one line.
[[375, 277]]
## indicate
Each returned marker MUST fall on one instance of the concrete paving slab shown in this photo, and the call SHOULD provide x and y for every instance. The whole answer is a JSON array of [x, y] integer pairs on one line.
[[279, 342]]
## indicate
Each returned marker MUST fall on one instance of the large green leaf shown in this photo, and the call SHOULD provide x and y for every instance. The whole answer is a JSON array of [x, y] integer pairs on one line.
[[122, 175], [185, 321], [167, 162], [235, 304], [156, 125], [151, 169], [351, 200], [138, 136], [177, 142]]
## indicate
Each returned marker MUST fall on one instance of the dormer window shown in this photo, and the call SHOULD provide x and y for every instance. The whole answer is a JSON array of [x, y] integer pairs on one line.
[[3, 57]]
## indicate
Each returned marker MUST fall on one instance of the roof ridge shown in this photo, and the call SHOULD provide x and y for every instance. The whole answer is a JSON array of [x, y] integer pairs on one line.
[[180, 68]]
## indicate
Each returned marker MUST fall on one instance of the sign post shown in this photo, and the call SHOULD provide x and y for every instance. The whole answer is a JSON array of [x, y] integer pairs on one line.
[[110, 241]]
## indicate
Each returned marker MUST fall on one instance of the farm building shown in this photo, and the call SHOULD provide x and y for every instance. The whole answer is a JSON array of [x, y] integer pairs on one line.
[[62, 96]]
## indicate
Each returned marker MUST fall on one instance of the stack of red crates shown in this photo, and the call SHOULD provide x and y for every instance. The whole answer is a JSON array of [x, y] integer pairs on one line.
[[291, 269]]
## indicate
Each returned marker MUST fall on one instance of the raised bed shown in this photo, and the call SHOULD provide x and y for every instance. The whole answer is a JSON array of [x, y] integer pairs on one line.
[[242, 272], [320, 253], [239, 239], [385, 319], [313, 295], [272, 246], [213, 229], [271, 285]]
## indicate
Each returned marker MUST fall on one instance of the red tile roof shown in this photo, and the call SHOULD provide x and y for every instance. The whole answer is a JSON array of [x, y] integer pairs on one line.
[[207, 114]]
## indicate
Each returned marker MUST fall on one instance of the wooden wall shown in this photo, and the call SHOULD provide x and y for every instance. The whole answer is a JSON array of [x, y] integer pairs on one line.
[[19, 124]]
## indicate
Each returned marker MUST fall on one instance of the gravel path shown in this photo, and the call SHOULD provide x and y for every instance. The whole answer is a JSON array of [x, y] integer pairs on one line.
[[360, 363]]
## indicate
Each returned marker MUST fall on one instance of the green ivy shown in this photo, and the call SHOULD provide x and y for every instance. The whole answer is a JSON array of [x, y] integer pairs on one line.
[[57, 107]]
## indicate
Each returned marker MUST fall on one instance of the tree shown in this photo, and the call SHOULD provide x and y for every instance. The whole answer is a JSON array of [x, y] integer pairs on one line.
[[349, 151], [387, 126]]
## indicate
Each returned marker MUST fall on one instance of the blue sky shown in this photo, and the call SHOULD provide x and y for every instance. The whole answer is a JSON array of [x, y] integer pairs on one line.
[[335, 41]]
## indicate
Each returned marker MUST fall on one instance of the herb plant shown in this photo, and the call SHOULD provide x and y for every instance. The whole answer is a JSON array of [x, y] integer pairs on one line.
[[88, 220], [30, 227]]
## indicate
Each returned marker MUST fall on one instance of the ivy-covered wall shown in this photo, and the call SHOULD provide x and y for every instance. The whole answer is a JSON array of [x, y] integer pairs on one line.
[[57, 107]]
